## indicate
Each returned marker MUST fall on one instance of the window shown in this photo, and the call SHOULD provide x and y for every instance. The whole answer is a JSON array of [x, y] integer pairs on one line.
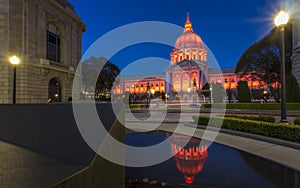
[[53, 43]]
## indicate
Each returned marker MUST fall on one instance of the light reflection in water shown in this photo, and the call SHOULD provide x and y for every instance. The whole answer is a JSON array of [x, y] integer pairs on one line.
[[191, 167], [189, 159]]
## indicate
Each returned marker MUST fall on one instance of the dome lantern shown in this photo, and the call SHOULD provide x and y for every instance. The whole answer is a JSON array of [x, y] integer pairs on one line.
[[188, 24]]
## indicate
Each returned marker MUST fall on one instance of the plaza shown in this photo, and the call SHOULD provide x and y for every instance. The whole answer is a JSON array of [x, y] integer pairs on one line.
[[168, 128]]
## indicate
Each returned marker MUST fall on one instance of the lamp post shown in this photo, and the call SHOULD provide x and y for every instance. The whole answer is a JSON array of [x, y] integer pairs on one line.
[[211, 94], [189, 94], [14, 60], [280, 21], [166, 97], [147, 94]]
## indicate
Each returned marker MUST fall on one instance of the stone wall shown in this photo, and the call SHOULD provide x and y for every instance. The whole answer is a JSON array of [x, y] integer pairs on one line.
[[296, 40], [23, 31]]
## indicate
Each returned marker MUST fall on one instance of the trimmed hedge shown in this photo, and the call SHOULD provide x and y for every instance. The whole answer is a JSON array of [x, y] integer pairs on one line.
[[255, 106], [297, 121], [269, 119], [276, 130], [136, 106]]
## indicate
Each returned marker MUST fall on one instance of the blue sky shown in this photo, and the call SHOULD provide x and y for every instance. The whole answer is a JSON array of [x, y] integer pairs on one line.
[[228, 27]]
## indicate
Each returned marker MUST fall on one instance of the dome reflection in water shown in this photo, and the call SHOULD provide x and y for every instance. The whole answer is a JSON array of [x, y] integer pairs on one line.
[[189, 159], [195, 165]]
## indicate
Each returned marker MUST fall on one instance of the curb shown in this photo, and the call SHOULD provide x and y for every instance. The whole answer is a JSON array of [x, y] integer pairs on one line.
[[276, 141]]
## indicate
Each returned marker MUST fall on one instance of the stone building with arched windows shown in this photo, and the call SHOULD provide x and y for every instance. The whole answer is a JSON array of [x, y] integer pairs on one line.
[[47, 37], [296, 40]]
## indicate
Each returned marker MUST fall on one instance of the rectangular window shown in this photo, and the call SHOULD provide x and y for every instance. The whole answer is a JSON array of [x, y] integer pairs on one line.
[[53, 47]]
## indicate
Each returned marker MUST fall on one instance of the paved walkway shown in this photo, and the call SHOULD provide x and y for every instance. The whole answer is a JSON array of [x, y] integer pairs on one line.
[[24, 168]]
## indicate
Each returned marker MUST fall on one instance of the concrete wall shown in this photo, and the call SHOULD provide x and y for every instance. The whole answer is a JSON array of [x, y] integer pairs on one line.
[[49, 128]]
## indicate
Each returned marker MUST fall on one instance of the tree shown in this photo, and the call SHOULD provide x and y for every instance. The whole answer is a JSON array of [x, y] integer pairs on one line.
[[262, 59], [243, 92], [206, 90], [292, 89], [105, 72], [218, 93]]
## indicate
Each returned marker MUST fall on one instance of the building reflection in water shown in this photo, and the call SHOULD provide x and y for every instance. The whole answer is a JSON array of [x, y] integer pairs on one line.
[[190, 157]]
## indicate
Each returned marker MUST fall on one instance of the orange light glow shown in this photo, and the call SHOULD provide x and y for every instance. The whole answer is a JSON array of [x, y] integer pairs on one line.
[[190, 159]]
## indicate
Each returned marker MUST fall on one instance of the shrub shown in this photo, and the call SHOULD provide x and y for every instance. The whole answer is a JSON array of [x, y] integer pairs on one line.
[[218, 93], [269, 119], [276, 130], [243, 92], [297, 121], [292, 89], [255, 106], [136, 106]]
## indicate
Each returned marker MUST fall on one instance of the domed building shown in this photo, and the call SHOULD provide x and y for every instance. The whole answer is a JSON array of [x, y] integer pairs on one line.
[[189, 46], [188, 68], [187, 73]]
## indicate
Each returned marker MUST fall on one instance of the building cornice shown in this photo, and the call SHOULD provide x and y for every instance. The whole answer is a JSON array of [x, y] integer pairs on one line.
[[69, 13]]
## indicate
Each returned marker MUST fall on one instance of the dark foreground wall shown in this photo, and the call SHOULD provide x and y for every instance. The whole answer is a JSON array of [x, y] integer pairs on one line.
[[49, 128]]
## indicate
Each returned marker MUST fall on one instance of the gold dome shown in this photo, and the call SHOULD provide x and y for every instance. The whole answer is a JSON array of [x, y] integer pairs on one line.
[[188, 39]]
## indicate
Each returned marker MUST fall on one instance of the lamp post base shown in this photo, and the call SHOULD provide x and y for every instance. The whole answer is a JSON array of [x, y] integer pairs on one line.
[[284, 121]]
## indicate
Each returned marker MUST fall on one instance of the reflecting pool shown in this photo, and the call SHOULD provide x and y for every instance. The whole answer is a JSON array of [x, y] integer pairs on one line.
[[196, 165]]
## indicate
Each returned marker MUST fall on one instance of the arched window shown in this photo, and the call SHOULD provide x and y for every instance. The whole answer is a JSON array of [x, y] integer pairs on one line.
[[53, 43], [54, 91]]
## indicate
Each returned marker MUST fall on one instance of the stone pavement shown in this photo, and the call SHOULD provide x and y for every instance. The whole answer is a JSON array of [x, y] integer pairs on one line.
[[21, 167], [24, 168], [101, 173]]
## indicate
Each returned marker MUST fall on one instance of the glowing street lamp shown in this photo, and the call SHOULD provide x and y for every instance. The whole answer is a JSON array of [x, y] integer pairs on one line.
[[152, 91], [166, 97], [189, 90], [280, 21], [14, 60], [211, 94]]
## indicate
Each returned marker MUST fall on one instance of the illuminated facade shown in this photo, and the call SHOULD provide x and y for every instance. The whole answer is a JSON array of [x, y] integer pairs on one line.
[[188, 62], [188, 71], [138, 84]]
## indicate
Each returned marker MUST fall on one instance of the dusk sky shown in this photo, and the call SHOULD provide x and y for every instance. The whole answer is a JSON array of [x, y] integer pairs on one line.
[[227, 27]]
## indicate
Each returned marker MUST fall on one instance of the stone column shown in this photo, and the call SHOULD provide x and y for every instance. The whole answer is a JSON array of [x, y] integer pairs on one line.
[[168, 82], [180, 81], [296, 40], [190, 80]]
